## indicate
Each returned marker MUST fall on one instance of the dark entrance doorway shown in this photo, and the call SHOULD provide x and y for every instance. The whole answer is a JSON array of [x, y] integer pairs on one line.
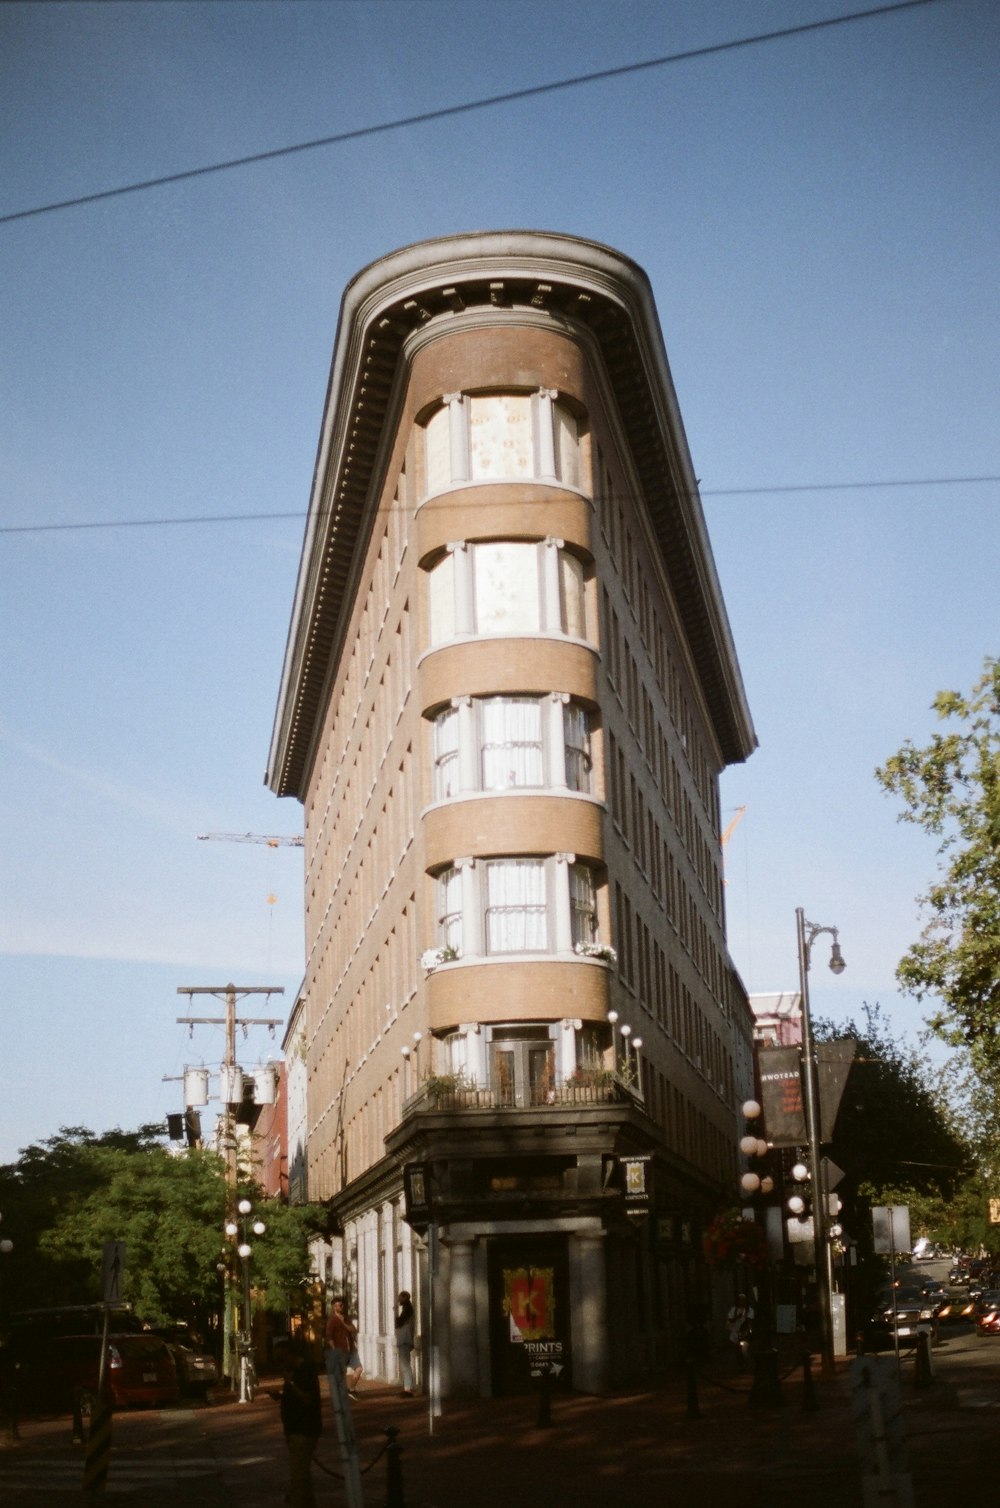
[[529, 1311]]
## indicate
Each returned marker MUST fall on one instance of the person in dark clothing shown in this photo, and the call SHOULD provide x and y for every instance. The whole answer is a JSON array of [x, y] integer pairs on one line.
[[405, 1321], [301, 1419]]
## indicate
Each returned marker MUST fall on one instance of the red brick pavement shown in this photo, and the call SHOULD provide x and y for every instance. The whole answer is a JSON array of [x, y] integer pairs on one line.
[[635, 1447]]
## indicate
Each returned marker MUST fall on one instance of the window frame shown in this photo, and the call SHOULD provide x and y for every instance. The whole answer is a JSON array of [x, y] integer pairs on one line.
[[453, 454]]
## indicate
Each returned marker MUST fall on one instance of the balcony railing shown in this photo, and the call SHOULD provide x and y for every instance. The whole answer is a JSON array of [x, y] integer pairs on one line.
[[445, 1092]]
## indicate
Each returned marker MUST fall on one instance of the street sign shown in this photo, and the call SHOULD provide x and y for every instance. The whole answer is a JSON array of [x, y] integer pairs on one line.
[[545, 1357], [113, 1271]]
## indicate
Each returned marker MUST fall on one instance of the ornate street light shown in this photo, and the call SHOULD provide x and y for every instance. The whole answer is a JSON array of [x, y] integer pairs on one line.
[[807, 935], [244, 1250]]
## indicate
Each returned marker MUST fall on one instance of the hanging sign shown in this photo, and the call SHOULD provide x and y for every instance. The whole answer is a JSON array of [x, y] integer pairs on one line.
[[781, 1096]]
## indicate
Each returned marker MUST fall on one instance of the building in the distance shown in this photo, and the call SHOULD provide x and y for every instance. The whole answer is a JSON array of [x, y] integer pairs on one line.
[[509, 690]]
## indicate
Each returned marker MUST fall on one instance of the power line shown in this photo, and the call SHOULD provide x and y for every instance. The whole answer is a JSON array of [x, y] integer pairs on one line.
[[256, 518], [447, 111]]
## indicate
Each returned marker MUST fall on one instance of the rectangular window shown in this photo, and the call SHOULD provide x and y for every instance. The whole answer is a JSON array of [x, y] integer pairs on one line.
[[515, 906], [500, 437], [442, 600], [583, 915], [567, 445], [446, 754], [571, 594], [511, 732], [576, 730], [449, 918], [437, 450], [507, 595]]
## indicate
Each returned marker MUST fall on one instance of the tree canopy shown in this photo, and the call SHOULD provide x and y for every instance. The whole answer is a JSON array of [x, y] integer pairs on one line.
[[901, 1141], [65, 1197], [951, 789]]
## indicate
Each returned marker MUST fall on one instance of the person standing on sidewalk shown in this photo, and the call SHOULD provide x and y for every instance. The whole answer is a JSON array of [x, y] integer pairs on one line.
[[404, 1342], [301, 1419], [341, 1339], [740, 1320]]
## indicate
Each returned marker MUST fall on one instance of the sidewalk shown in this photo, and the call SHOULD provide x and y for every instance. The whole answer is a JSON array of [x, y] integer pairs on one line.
[[494, 1453]]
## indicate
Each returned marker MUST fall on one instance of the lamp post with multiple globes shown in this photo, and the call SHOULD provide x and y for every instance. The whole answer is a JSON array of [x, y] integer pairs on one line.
[[238, 1234], [807, 934]]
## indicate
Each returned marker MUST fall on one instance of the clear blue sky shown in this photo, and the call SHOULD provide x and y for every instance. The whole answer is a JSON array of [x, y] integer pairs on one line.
[[819, 219]]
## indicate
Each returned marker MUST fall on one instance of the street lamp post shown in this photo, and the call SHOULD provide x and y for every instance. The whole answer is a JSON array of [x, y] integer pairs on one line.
[[244, 1251], [10, 1401], [807, 934]]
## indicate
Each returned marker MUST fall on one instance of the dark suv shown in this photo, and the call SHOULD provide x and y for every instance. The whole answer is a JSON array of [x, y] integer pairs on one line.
[[902, 1313]]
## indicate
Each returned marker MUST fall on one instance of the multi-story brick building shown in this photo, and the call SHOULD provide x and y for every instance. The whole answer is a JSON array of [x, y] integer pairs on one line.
[[509, 690]]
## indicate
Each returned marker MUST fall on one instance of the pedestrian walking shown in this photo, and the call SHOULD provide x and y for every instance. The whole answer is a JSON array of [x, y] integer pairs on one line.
[[404, 1342], [301, 1419]]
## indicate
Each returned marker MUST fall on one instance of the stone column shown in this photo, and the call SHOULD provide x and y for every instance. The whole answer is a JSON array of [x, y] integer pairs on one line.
[[589, 1313], [463, 1359]]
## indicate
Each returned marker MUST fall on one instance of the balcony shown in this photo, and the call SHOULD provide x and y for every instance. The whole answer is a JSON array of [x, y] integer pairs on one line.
[[450, 1093]]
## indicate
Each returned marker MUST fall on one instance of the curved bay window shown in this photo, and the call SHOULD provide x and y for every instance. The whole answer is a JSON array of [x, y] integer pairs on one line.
[[494, 437], [507, 586], [491, 908], [506, 743]]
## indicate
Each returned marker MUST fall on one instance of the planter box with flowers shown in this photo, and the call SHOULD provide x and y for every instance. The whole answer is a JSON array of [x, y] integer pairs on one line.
[[590, 1086], [433, 958], [730, 1238], [602, 951]]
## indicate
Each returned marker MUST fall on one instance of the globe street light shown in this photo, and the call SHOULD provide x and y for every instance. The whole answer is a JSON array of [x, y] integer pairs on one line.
[[10, 1402], [244, 1251], [807, 934]]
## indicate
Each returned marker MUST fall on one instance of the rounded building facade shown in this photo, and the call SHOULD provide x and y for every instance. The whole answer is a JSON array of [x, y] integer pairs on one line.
[[508, 693]]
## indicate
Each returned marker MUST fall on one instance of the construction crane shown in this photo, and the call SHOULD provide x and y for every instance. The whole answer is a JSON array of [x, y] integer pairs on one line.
[[282, 840], [740, 812]]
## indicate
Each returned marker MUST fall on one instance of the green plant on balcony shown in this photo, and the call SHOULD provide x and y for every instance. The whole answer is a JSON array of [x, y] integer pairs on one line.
[[440, 1087]]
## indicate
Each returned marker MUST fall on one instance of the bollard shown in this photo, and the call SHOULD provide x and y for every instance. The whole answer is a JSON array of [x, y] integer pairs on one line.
[[393, 1471], [923, 1374], [809, 1399], [10, 1400], [545, 1398], [765, 1392], [693, 1411], [77, 1438]]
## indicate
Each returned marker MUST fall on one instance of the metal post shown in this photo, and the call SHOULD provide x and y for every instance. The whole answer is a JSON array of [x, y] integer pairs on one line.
[[393, 1471], [810, 1101]]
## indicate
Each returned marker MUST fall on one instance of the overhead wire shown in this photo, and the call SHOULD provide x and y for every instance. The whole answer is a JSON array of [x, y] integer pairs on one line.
[[445, 112], [302, 513]]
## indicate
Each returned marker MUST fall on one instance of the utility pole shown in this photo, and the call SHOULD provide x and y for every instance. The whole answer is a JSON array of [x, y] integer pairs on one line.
[[230, 994]]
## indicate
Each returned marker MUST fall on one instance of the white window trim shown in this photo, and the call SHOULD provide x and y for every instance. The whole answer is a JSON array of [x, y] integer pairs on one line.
[[548, 555], [473, 944], [470, 747]]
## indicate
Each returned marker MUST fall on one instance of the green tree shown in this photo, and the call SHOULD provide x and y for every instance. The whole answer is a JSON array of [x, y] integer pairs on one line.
[[894, 1128], [66, 1197], [951, 789]]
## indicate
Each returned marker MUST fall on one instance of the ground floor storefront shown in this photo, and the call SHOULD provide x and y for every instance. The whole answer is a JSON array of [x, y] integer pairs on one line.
[[535, 1246]]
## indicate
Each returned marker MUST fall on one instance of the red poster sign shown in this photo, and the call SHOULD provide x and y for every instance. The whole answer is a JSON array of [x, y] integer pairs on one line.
[[529, 1300]]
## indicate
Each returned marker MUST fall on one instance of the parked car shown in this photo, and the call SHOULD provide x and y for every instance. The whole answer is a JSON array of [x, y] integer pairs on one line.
[[901, 1313], [51, 1373], [956, 1307], [988, 1320], [196, 1367]]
